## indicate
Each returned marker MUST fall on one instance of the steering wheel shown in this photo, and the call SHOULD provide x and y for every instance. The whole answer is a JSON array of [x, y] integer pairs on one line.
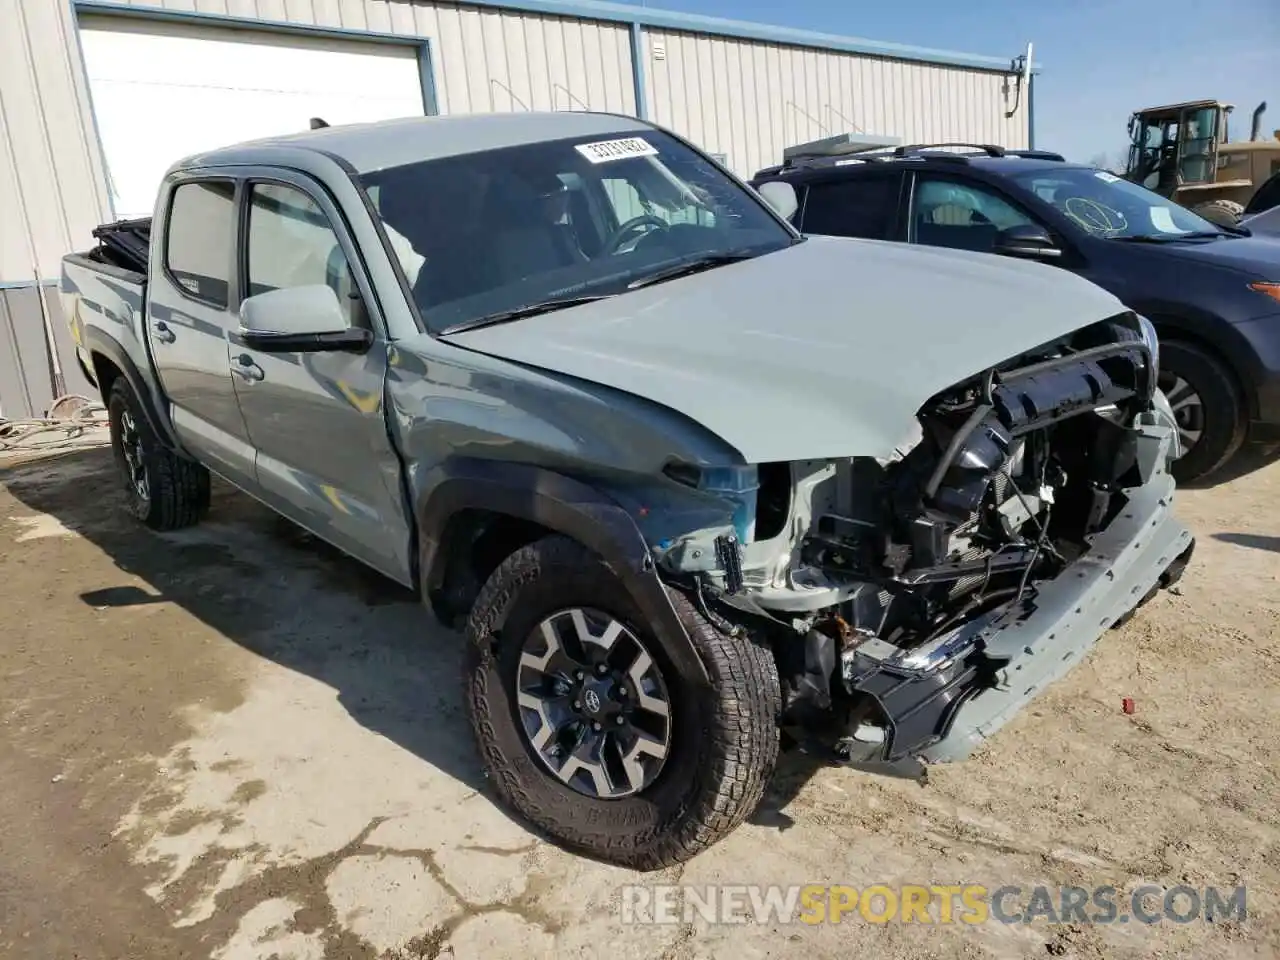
[[1097, 218], [644, 220]]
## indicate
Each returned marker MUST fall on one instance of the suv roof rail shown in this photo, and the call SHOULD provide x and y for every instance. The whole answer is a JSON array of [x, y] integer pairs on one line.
[[1037, 155], [990, 149]]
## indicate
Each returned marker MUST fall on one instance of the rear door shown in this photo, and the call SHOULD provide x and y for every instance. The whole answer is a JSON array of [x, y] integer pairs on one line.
[[317, 420], [190, 314], [866, 206]]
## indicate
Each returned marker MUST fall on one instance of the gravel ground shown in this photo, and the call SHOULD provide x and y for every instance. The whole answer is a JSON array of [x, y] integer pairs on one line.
[[234, 743]]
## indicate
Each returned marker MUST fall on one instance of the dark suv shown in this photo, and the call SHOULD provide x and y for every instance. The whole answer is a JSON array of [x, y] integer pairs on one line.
[[1213, 293]]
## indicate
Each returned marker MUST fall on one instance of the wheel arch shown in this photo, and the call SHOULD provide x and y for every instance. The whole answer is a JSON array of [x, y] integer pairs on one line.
[[466, 500], [111, 361], [1224, 345]]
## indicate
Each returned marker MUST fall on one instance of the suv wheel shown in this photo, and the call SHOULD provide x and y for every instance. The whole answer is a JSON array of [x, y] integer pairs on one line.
[[163, 490], [1206, 405], [588, 730]]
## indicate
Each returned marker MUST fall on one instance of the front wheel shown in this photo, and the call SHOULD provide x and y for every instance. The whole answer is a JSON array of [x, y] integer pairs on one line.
[[1207, 408], [163, 490], [587, 729]]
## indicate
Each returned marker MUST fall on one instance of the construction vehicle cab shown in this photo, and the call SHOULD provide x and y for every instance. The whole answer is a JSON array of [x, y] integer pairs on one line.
[[1184, 152]]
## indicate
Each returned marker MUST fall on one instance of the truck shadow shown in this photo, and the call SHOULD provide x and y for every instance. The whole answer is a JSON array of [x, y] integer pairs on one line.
[[293, 599], [277, 591]]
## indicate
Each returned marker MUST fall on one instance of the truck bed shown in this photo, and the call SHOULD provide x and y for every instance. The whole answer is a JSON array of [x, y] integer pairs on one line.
[[105, 289]]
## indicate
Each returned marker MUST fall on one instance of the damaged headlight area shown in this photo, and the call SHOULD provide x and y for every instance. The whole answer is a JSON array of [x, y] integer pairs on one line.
[[882, 585]]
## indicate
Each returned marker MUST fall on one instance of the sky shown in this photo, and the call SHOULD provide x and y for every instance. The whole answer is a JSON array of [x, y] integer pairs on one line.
[[1100, 59]]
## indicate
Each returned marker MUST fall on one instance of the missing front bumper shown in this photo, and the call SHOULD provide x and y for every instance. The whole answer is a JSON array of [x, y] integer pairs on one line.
[[943, 707]]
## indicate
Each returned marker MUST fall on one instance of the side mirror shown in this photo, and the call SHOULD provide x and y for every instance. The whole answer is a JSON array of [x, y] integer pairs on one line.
[[1026, 240], [781, 196], [299, 320]]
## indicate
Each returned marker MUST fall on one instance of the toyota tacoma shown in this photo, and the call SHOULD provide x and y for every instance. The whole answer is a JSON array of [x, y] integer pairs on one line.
[[696, 487]]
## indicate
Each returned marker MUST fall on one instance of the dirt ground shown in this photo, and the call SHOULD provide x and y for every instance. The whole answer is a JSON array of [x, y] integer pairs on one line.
[[234, 743]]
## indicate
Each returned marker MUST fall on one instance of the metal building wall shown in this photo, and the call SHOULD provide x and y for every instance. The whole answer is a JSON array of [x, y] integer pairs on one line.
[[749, 99], [52, 190], [486, 59]]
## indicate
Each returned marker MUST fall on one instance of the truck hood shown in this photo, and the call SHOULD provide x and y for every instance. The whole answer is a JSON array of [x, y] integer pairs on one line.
[[825, 349]]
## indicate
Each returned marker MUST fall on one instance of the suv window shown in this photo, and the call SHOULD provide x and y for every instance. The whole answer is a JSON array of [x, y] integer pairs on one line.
[[291, 243], [947, 213], [198, 240], [865, 207]]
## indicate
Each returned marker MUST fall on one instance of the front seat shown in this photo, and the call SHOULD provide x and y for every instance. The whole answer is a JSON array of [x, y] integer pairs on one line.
[[524, 239]]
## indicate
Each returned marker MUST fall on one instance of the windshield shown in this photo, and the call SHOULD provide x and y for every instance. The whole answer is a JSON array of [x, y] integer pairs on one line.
[[1107, 206], [487, 233]]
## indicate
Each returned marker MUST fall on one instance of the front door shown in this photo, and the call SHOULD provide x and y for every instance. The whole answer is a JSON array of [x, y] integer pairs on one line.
[[961, 214], [317, 420]]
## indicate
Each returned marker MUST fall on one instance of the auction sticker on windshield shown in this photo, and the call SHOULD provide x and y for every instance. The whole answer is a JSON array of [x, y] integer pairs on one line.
[[602, 151]]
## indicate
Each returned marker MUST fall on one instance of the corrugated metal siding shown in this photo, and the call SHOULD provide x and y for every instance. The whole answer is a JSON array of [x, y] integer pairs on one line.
[[27, 385], [486, 60], [749, 100], [52, 190]]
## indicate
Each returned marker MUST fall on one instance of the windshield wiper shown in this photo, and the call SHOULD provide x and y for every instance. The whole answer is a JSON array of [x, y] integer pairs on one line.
[[528, 310], [1171, 237], [683, 268]]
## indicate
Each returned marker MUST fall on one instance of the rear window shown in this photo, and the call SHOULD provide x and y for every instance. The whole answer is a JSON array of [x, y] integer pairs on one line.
[[865, 207], [198, 241]]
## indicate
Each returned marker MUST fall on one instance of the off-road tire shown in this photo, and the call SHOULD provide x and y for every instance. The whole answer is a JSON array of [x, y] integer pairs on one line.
[[178, 487], [1224, 414], [1225, 213], [724, 737]]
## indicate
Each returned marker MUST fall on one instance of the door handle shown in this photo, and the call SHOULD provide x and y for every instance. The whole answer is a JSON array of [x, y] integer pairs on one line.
[[162, 332], [244, 367]]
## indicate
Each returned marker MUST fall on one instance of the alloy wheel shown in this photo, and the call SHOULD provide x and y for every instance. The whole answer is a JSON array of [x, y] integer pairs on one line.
[[593, 704], [1188, 409], [135, 462]]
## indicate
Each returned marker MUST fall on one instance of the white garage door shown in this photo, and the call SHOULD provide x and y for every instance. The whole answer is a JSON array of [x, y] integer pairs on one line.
[[163, 91]]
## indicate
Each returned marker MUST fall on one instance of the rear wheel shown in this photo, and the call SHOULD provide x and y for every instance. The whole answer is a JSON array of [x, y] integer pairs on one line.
[[589, 731], [1207, 407], [163, 490], [1225, 213]]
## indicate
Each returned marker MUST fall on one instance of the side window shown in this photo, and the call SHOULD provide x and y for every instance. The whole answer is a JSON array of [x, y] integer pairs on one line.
[[291, 244], [198, 239], [947, 213], [865, 207]]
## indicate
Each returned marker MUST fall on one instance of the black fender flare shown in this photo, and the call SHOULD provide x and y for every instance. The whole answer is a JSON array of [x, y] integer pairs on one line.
[[99, 342], [564, 505]]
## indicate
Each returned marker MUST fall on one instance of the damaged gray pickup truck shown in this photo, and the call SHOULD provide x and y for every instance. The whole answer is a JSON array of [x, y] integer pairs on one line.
[[698, 487]]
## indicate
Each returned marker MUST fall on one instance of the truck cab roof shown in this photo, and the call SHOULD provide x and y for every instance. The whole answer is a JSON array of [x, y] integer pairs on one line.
[[369, 147]]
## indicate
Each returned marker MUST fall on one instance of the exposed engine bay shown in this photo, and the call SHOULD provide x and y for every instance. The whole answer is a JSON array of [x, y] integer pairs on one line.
[[867, 573]]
